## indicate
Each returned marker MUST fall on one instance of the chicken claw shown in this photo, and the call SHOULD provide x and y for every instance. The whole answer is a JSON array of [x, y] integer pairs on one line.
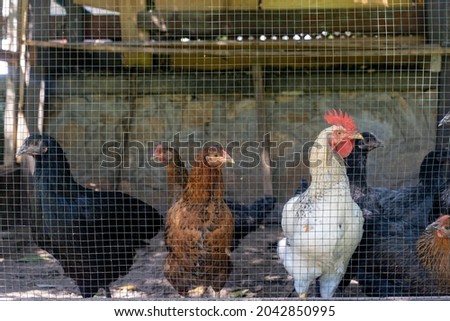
[[197, 292]]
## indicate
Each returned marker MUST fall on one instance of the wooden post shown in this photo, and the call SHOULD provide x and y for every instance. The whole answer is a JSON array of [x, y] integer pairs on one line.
[[38, 29], [35, 25], [438, 32], [12, 85], [264, 153], [130, 32]]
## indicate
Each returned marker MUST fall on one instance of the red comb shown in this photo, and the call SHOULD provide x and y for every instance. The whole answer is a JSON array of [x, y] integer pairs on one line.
[[158, 150], [340, 118], [442, 220]]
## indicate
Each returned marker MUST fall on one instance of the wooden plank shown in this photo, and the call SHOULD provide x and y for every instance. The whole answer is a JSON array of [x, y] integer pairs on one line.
[[395, 46], [212, 62], [335, 4], [243, 4], [359, 80], [229, 55], [191, 5], [244, 23], [221, 83]]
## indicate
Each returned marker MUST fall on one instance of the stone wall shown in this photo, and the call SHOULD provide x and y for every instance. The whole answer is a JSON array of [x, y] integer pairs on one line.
[[85, 112]]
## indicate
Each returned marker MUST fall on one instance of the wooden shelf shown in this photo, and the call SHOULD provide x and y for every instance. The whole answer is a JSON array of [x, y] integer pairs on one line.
[[386, 22], [219, 55]]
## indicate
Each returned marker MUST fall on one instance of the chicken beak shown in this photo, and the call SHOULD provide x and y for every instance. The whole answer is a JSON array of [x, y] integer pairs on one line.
[[223, 159], [439, 224], [227, 158], [33, 149], [376, 144], [356, 136], [432, 227], [22, 150]]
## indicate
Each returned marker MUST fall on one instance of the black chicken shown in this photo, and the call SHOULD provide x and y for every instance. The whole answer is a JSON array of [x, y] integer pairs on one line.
[[355, 164], [383, 264], [93, 234]]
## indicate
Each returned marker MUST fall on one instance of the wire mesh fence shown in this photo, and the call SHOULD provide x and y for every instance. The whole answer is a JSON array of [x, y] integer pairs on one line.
[[224, 149]]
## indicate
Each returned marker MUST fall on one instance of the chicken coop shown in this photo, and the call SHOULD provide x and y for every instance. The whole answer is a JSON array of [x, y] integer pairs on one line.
[[232, 149]]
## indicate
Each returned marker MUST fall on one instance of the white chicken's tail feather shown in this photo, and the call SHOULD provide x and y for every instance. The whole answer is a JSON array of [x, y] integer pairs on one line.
[[281, 250], [303, 277]]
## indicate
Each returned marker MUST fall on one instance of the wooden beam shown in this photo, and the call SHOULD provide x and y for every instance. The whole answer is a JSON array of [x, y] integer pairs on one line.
[[263, 134], [221, 83], [38, 28], [281, 22], [405, 22], [228, 55], [389, 46]]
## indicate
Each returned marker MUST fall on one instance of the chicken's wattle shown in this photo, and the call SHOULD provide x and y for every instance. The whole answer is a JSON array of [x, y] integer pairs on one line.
[[344, 148]]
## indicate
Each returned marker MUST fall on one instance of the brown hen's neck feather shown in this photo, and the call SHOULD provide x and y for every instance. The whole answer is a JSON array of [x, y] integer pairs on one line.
[[434, 253], [177, 178], [205, 184], [327, 168]]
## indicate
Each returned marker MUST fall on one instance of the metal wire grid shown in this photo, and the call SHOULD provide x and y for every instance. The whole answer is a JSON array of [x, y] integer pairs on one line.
[[238, 74]]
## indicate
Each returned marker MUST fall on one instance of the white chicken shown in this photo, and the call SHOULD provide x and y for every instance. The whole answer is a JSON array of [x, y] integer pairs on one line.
[[323, 226]]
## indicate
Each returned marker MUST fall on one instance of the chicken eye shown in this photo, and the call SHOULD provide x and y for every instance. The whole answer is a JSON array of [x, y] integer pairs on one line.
[[339, 133]]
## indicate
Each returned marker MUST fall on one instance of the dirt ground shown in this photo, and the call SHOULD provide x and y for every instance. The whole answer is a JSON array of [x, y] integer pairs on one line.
[[27, 272]]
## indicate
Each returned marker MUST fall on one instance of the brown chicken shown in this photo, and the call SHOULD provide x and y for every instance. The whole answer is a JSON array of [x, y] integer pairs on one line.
[[433, 249], [199, 229], [247, 217]]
